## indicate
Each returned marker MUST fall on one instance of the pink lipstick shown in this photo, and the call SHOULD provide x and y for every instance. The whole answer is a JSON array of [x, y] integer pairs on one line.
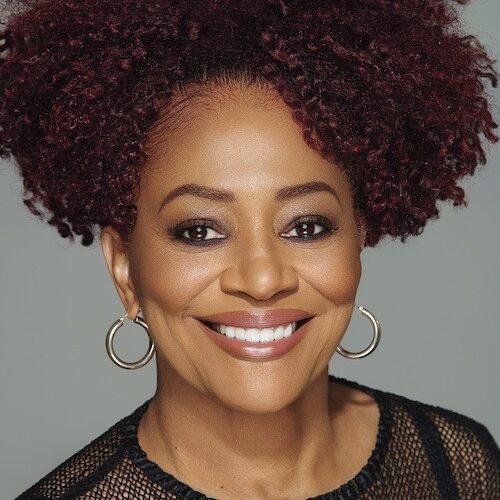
[[252, 350]]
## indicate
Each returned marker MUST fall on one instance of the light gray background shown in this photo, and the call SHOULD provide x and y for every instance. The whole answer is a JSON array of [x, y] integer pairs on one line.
[[436, 297]]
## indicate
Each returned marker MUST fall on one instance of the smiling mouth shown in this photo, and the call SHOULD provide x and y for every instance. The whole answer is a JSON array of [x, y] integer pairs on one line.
[[266, 334]]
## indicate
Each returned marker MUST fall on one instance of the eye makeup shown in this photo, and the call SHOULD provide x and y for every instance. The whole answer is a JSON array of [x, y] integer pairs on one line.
[[196, 231]]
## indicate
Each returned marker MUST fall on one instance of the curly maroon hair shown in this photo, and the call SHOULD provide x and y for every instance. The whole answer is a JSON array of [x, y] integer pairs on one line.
[[393, 90]]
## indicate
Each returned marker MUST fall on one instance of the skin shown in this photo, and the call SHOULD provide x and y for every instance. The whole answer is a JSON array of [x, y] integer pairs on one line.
[[227, 427]]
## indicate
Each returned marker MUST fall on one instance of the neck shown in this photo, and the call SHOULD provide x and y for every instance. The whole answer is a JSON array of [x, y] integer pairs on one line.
[[224, 451]]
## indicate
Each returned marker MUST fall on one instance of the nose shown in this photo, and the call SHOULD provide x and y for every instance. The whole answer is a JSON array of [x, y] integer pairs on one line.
[[259, 276], [261, 270]]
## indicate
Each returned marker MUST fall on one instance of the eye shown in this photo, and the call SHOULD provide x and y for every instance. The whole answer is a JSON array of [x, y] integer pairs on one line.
[[196, 232], [307, 228]]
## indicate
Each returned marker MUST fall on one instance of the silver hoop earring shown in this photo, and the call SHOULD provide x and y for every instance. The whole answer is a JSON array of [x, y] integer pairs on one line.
[[111, 351], [377, 332]]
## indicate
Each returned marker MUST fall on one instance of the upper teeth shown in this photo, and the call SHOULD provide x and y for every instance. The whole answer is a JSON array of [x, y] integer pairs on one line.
[[256, 334]]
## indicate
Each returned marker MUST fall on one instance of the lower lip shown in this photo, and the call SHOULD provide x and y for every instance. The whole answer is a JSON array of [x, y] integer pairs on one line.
[[256, 351]]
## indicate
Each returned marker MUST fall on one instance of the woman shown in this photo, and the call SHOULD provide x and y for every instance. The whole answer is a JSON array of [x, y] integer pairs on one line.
[[236, 159]]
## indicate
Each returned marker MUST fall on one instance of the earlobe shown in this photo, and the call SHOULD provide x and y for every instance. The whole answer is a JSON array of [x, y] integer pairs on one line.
[[117, 262]]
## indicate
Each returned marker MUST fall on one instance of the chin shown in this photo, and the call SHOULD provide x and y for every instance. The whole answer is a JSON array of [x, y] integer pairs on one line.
[[258, 407], [261, 398]]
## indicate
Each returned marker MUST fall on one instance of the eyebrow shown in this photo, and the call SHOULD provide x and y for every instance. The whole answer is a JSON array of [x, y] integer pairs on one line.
[[224, 196]]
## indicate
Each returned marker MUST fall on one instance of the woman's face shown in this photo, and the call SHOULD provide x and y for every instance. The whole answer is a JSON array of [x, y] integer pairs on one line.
[[254, 255]]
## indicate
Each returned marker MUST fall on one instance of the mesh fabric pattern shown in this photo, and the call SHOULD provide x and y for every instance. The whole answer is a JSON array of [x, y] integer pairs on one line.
[[422, 451]]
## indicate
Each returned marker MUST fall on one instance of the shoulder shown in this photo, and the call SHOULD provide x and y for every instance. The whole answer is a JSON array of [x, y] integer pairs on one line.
[[85, 468], [461, 451]]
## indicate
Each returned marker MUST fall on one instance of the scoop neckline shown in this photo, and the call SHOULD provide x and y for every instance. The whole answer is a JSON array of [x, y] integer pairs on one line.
[[355, 486]]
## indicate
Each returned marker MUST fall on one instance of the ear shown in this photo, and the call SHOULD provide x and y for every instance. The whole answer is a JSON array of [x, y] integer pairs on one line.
[[118, 264]]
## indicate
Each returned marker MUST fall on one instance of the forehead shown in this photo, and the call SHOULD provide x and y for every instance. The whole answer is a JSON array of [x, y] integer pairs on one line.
[[239, 139]]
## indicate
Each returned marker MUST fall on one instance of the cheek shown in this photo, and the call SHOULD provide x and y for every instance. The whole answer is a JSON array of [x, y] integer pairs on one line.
[[170, 280], [336, 273]]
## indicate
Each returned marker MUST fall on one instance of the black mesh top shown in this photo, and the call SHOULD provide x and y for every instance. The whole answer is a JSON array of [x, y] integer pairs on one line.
[[422, 452]]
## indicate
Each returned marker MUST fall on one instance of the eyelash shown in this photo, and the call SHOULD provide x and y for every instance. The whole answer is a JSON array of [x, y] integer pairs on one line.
[[176, 233]]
